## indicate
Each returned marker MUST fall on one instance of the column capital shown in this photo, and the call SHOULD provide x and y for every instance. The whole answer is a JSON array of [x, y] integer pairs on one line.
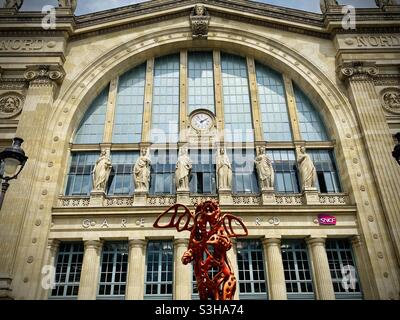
[[44, 75], [315, 241], [93, 244], [137, 243], [356, 240], [272, 241], [181, 242], [53, 244], [357, 71]]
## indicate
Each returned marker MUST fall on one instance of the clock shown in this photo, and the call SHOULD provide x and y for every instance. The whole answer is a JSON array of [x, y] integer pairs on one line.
[[202, 121]]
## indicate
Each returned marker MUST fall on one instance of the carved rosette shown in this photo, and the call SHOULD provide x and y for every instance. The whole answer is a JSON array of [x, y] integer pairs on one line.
[[44, 75], [357, 72], [199, 21], [391, 100], [10, 104]]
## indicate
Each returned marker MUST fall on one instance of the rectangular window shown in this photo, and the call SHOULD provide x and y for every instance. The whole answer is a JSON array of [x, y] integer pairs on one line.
[[296, 266], [79, 180], [121, 179], [324, 162], [252, 284], [163, 163], [237, 109], [343, 269], [165, 113], [129, 106], [113, 272], [159, 262], [285, 168], [68, 271], [202, 179], [244, 177], [201, 81], [275, 117]]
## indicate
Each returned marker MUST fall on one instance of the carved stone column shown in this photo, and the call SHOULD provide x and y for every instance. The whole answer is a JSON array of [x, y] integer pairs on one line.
[[183, 273], [23, 197], [322, 275], [90, 270], [378, 141], [136, 270], [274, 268]]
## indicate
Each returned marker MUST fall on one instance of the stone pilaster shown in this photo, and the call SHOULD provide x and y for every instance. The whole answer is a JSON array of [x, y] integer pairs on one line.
[[136, 270], [378, 141], [274, 268], [320, 267], [50, 260], [22, 200], [183, 273], [90, 270], [362, 271]]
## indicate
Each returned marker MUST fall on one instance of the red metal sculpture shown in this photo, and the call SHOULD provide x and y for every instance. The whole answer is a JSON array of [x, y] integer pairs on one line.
[[210, 234]]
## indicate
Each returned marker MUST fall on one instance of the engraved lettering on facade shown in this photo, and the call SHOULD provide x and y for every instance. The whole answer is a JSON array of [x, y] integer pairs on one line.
[[21, 45]]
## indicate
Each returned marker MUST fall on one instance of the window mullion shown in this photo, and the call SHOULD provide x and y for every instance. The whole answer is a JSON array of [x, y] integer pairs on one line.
[[219, 107], [110, 113], [183, 95], [148, 100], [291, 103]]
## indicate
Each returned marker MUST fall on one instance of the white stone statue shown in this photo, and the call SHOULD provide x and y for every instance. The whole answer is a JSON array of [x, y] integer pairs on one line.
[[101, 172], [183, 170], [9, 4], [266, 175], [68, 4], [307, 170], [141, 171], [224, 171]]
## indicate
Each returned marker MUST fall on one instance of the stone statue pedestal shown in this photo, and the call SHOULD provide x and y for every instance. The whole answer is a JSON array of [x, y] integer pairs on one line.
[[391, 8], [311, 196], [225, 197], [8, 11], [97, 198], [140, 198], [268, 196], [64, 11], [183, 197]]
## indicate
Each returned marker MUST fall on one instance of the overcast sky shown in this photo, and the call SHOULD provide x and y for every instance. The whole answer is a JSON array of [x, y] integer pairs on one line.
[[87, 6]]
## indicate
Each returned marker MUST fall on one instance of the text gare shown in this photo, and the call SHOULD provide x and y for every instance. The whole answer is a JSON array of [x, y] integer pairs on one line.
[[21, 45]]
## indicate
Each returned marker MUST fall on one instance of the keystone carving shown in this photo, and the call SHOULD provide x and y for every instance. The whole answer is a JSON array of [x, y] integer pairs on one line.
[[199, 21]]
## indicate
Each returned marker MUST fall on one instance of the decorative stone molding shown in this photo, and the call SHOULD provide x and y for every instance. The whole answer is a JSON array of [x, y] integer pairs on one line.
[[357, 71], [69, 4], [161, 201], [391, 100], [326, 5], [13, 4], [73, 202], [246, 200], [333, 199], [10, 104], [296, 199], [44, 75], [199, 21], [194, 200], [118, 202]]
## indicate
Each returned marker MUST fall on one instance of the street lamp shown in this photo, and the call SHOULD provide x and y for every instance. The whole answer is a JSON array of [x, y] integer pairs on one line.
[[396, 151], [12, 161]]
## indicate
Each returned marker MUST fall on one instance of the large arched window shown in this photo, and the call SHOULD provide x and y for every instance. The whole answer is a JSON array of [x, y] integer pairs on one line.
[[153, 101]]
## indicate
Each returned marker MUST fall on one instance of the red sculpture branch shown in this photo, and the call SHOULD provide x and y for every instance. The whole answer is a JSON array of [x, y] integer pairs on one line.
[[210, 239]]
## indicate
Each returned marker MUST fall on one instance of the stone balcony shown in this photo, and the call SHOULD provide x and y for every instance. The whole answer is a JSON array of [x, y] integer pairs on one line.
[[335, 199]]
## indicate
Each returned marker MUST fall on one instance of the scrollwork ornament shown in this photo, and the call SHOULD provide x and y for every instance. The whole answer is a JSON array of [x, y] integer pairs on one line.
[[44, 75], [10, 105], [358, 72]]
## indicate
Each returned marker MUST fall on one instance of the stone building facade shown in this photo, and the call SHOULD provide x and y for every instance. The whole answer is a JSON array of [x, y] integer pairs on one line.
[[206, 75]]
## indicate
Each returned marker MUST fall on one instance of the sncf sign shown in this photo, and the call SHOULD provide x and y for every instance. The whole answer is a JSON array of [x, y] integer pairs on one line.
[[326, 220]]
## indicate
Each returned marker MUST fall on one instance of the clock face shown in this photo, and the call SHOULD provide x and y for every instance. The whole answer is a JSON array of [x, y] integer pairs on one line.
[[202, 121]]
